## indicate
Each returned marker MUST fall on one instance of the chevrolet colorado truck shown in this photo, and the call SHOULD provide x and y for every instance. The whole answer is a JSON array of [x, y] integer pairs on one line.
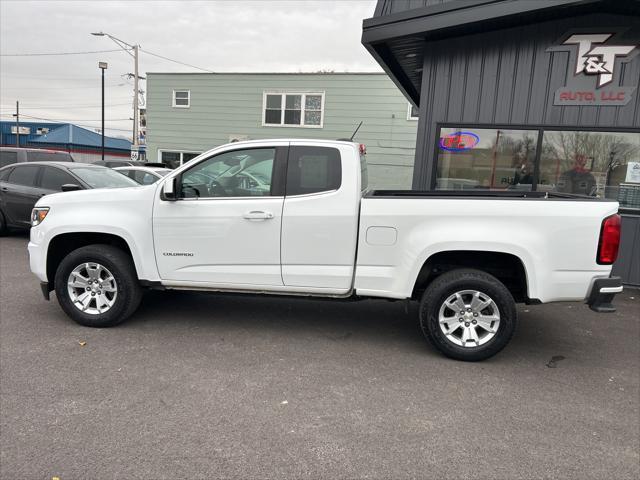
[[295, 217]]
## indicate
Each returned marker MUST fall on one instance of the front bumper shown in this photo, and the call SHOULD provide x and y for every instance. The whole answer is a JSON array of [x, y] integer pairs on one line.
[[602, 292]]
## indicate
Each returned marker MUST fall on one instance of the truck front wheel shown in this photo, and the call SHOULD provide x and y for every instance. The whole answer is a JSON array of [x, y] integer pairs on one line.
[[97, 286], [468, 314]]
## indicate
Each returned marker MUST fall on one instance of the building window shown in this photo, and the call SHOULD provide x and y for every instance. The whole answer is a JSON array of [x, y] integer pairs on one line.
[[484, 158], [412, 112], [291, 109], [174, 158], [592, 163], [599, 164], [181, 98]]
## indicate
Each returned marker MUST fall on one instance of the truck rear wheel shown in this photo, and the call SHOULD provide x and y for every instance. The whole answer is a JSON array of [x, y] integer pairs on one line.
[[97, 286], [468, 314]]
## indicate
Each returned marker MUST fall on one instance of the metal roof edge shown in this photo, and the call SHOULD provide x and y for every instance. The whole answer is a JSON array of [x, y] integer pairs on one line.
[[267, 73]]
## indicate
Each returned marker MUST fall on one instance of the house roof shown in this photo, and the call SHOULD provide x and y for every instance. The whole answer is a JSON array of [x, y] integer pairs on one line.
[[69, 134], [398, 33]]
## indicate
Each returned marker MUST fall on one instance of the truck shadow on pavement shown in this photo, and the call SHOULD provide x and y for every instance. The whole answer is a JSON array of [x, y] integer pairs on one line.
[[379, 323]]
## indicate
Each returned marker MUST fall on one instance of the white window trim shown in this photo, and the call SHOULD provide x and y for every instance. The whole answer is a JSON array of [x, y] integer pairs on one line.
[[175, 150], [283, 94], [173, 99], [409, 117]]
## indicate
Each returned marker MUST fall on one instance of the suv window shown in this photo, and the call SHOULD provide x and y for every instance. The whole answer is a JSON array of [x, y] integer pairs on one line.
[[48, 157], [24, 175], [313, 170], [7, 158], [54, 178], [4, 174], [240, 173], [142, 177]]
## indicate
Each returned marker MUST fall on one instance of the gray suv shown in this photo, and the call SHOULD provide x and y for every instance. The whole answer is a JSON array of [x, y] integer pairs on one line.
[[10, 155]]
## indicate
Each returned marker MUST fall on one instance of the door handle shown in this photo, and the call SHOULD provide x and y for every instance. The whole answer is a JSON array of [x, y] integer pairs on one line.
[[258, 215]]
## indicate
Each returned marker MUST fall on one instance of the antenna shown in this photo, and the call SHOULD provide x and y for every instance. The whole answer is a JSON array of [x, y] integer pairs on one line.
[[354, 133]]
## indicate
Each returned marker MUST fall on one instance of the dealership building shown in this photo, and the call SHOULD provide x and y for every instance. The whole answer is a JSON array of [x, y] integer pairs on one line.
[[519, 94]]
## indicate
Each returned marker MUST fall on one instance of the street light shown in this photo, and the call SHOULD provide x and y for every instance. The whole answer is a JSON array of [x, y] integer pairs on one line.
[[102, 66], [127, 47]]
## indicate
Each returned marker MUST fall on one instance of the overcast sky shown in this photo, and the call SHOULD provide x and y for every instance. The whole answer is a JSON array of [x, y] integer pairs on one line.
[[217, 35]]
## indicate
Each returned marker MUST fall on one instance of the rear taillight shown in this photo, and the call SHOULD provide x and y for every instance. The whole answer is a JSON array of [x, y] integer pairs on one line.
[[609, 240]]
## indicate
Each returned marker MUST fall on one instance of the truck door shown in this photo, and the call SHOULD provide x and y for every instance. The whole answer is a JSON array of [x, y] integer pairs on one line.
[[225, 227], [320, 216]]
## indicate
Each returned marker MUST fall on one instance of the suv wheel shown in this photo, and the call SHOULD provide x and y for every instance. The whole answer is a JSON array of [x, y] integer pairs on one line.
[[468, 314], [97, 286]]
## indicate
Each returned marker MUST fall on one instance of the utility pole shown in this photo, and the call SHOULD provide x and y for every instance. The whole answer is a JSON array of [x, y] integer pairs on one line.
[[103, 67], [136, 104], [17, 115], [127, 47]]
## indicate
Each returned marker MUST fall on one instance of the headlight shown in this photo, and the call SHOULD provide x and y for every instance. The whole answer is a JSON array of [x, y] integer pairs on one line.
[[38, 215]]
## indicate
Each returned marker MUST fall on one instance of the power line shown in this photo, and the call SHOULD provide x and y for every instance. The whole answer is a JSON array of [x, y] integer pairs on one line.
[[47, 107], [69, 120], [66, 88], [54, 53], [176, 61], [77, 124]]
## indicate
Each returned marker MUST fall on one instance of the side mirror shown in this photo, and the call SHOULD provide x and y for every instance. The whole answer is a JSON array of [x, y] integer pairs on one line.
[[70, 187], [170, 188]]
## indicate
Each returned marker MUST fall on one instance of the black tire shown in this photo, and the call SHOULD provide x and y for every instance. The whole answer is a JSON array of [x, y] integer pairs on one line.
[[3, 225], [447, 285], [129, 292]]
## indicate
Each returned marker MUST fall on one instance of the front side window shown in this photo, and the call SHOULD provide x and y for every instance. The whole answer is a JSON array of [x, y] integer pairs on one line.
[[182, 98], [53, 179], [600, 164], [487, 159], [24, 175], [240, 173], [313, 170], [293, 109]]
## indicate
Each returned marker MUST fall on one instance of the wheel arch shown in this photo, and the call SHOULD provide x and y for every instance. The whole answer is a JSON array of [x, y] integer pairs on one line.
[[509, 268], [64, 243]]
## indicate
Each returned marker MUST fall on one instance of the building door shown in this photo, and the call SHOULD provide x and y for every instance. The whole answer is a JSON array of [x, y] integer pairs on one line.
[[224, 230]]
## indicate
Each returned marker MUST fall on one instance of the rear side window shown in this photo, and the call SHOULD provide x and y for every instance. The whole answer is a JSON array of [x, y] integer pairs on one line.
[[54, 178], [313, 170], [24, 175], [7, 158], [48, 157]]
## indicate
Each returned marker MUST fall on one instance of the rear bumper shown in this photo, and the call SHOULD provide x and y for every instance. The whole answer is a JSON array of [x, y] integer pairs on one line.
[[602, 292]]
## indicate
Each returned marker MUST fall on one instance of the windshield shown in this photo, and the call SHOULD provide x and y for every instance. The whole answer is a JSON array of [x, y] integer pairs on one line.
[[103, 177], [162, 171]]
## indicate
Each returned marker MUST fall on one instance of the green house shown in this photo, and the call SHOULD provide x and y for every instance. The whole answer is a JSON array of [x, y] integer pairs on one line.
[[189, 113]]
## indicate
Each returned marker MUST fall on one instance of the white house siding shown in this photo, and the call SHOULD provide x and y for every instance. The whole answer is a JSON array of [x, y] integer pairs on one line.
[[224, 106]]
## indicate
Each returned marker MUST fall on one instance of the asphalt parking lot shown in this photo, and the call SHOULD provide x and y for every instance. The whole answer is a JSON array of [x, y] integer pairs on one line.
[[217, 386]]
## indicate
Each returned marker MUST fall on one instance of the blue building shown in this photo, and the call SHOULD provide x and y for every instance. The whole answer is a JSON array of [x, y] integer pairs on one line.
[[83, 145]]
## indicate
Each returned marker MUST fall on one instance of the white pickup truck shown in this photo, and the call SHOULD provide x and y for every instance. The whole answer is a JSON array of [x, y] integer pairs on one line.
[[294, 217]]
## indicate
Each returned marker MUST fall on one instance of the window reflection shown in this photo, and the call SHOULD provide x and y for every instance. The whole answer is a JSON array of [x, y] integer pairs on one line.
[[598, 164], [490, 159]]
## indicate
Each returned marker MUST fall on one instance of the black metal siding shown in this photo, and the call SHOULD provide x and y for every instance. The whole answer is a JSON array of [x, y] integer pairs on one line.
[[628, 264], [507, 77], [388, 7]]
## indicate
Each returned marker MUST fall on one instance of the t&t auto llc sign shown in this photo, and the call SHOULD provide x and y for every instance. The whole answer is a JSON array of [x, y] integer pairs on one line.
[[594, 76]]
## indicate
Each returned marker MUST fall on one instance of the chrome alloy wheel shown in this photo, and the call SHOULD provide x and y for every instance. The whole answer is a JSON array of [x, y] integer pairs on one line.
[[469, 318], [92, 288]]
